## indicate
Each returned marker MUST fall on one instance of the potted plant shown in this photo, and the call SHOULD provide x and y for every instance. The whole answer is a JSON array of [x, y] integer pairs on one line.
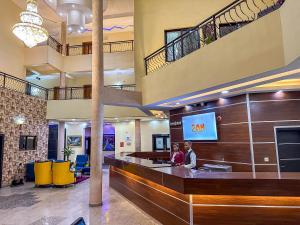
[[68, 151]]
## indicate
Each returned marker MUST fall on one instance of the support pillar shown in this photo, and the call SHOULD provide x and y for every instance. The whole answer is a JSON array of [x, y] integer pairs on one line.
[[61, 140], [138, 140], [97, 106], [62, 77]]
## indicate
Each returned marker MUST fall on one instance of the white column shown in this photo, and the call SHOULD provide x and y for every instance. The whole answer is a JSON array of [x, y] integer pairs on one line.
[[97, 106], [138, 140], [61, 140]]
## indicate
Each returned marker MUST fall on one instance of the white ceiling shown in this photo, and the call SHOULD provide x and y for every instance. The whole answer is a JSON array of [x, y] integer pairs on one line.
[[118, 17]]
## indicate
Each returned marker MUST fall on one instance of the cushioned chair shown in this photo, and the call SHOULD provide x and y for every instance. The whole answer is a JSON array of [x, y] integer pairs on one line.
[[81, 161], [43, 173], [62, 174]]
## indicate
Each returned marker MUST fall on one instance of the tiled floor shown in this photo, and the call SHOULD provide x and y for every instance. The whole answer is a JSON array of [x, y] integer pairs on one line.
[[26, 205]]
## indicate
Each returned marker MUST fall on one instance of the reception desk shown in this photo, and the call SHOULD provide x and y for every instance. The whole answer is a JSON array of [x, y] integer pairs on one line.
[[176, 195]]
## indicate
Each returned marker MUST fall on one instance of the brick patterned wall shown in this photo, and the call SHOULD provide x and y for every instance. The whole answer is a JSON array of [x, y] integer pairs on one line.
[[13, 104]]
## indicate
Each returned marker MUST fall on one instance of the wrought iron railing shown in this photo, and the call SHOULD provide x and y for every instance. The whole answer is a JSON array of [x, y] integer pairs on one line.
[[16, 84], [84, 92], [22, 86], [108, 47], [234, 16], [53, 43]]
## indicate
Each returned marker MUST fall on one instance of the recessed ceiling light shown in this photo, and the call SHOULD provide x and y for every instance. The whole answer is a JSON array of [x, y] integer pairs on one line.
[[225, 92]]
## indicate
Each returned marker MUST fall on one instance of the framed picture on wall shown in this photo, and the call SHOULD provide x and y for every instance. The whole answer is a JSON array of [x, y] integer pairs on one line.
[[108, 142], [74, 141]]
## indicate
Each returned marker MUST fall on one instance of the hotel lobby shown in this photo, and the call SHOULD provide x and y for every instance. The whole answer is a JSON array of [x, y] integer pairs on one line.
[[149, 112]]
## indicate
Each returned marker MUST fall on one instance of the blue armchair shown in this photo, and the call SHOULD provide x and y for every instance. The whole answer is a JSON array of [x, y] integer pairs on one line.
[[81, 161]]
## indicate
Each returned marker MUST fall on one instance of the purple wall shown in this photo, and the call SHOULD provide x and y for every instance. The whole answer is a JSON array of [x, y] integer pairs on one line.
[[107, 129]]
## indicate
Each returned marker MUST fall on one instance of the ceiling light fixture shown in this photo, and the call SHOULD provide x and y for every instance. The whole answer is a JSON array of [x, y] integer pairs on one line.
[[76, 13], [225, 92], [30, 30]]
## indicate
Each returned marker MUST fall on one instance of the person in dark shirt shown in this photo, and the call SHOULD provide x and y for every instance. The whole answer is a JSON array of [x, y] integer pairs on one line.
[[190, 156]]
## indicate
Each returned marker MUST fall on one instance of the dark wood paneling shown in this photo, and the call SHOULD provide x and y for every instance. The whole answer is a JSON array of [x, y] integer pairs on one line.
[[246, 215], [151, 155], [224, 152], [264, 132], [160, 206], [229, 133], [239, 115], [145, 172], [176, 134], [275, 110], [266, 168], [236, 167], [217, 103], [275, 96], [265, 150], [246, 200]]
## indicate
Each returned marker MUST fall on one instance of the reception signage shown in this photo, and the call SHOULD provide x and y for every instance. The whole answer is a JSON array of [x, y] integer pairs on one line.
[[200, 127]]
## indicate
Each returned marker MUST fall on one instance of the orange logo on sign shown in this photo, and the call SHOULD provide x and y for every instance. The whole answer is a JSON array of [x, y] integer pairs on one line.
[[198, 127]]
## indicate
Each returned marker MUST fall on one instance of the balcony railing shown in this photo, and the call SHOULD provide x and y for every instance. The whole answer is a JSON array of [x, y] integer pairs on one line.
[[108, 47], [234, 16], [22, 86], [84, 92]]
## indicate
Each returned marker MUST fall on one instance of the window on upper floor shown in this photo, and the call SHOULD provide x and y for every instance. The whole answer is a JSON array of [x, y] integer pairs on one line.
[[183, 46]]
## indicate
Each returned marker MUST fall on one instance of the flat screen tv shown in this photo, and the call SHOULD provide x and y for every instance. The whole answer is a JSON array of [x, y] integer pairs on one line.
[[201, 127]]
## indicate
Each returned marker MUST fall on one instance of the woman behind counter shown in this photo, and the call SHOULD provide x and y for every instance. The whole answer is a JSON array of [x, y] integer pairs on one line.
[[177, 156]]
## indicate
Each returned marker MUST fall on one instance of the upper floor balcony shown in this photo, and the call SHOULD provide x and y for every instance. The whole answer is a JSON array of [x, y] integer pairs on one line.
[[245, 44], [75, 102], [48, 58]]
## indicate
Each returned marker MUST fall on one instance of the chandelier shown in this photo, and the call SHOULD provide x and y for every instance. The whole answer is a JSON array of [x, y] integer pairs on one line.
[[30, 30]]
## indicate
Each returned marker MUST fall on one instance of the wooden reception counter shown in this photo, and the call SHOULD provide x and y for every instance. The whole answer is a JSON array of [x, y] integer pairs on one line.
[[176, 195]]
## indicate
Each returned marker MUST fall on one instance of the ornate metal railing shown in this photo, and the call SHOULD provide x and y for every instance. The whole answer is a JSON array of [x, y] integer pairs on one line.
[[234, 16], [53, 43], [84, 92], [22, 86], [108, 47], [16, 84]]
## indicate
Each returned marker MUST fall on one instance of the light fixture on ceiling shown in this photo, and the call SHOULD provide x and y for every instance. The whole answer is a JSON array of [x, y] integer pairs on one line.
[[30, 30], [77, 13], [225, 92]]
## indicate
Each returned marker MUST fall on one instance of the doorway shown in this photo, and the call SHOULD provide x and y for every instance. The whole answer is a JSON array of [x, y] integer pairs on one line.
[[1, 156], [160, 142], [52, 141], [288, 148]]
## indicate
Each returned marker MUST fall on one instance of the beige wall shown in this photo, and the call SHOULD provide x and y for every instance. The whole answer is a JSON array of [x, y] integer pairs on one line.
[[126, 131], [11, 48], [107, 37], [153, 17], [148, 128], [81, 109], [290, 15], [241, 54], [76, 129]]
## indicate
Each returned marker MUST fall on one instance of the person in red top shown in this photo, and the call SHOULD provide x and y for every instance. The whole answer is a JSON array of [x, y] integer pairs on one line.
[[177, 156]]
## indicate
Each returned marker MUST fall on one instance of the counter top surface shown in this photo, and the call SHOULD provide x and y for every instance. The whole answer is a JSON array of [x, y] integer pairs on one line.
[[189, 181]]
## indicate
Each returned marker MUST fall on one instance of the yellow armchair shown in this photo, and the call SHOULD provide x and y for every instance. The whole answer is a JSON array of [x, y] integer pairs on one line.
[[62, 174], [43, 173]]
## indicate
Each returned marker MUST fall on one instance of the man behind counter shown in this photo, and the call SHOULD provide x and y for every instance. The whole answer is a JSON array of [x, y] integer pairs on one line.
[[190, 156]]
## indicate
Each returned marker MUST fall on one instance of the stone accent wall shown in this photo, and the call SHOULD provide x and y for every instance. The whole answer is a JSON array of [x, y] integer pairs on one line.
[[13, 104]]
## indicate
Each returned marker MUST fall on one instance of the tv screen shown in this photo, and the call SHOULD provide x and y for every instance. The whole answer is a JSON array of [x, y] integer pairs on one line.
[[200, 127]]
